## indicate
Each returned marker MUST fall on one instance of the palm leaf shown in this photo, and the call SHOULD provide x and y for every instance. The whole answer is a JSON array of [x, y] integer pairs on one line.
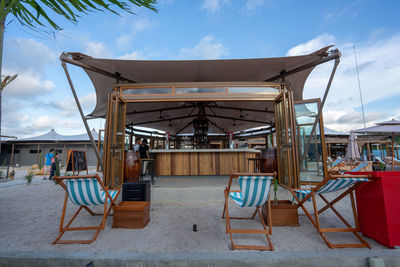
[[33, 13]]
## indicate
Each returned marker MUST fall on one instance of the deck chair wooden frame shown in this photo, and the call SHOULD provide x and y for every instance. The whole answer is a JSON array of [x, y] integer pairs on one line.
[[108, 198], [329, 205], [265, 231]]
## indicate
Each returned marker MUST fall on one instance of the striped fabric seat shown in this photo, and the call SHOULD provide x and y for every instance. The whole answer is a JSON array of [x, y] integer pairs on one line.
[[330, 186], [393, 159], [378, 159], [359, 167], [254, 191], [336, 162], [87, 192]]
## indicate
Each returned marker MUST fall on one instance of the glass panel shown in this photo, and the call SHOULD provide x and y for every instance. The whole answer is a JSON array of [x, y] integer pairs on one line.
[[110, 144], [100, 147], [253, 90], [287, 170], [147, 91], [120, 141], [309, 147], [199, 90]]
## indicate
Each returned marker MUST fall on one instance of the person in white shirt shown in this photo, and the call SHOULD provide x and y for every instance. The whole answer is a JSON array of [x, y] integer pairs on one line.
[[137, 144]]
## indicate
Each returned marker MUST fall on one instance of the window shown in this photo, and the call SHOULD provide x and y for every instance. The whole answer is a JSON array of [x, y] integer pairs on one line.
[[34, 151], [59, 151]]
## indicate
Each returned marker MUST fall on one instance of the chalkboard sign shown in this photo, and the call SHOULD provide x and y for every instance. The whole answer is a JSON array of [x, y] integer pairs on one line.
[[76, 162]]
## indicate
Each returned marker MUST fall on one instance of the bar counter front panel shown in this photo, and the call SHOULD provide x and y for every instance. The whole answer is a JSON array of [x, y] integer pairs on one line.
[[201, 161]]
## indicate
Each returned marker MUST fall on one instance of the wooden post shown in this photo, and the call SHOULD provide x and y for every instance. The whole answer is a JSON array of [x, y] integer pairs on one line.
[[368, 150], [131, 141], [392, 150], [37, 153], [329, 150], [63, 159], [12, 154]]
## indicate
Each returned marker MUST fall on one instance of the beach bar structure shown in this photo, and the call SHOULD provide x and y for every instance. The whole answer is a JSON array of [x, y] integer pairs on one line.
[[205, 101]]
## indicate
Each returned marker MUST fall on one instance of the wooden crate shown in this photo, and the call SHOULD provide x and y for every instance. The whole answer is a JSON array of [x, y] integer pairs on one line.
[[285, 214], [131, 214]]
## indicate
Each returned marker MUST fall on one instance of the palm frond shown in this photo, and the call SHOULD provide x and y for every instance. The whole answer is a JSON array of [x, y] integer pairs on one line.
[[33, 13]]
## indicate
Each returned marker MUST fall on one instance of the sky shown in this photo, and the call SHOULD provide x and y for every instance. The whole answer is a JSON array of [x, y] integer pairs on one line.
[[40, 98]]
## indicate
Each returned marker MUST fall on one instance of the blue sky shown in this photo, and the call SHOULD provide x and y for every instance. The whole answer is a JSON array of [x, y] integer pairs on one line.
[[40, 99]]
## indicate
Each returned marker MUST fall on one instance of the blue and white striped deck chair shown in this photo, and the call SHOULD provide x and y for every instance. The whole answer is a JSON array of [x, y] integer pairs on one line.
[[392, 161], [336, 163], [84, 191], [331, 184], [379, 160], [253, 193], [360, 167]]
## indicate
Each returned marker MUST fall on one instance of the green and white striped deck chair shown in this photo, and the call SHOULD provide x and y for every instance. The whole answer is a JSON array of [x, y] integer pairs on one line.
[[84, 191], [254, 192], [332, 184]]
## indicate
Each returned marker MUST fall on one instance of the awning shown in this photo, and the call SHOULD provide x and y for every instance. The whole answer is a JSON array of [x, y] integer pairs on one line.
[[104, 73]]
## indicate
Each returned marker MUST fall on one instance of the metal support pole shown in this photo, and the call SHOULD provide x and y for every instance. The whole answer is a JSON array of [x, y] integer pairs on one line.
[[64, 65], [337, 61]]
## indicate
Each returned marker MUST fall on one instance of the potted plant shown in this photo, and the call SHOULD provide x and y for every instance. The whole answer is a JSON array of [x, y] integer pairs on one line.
[[29, 177], [379, 166], [275, 203]]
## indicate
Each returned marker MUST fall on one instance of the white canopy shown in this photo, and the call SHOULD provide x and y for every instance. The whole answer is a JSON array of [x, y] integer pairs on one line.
[[53, 136]]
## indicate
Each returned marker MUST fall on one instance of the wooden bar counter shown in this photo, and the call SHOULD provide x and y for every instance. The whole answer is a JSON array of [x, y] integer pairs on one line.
[[201, 161]]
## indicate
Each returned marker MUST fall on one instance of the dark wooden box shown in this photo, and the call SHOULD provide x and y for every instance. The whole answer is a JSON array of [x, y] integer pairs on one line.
[[131, 214], [285, 214]]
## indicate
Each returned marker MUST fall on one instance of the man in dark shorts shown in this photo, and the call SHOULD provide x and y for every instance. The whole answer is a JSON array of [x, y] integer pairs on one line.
[[144, 154]]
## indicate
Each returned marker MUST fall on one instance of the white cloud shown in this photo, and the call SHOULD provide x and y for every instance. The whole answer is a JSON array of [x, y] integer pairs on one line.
[[43, 122], [28, 84], [379, 66], [68, 107], [312, 45], [134, 55], [124, 40], [254, 4], [137, 26], [97, 49], [141, 25], [213, 5], [146, 53], [349, 8], [23, 54], [28, 58], [207, 48]]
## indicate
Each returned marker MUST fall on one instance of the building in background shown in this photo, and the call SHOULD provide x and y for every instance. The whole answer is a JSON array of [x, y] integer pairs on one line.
[[26, 151]]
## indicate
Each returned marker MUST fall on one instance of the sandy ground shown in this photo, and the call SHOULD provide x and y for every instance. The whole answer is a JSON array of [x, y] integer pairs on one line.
[[30, 217]]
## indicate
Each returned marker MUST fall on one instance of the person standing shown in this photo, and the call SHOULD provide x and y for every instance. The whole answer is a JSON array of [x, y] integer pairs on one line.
[[53, 164], [137, 145], [47, 163], [144, 154]]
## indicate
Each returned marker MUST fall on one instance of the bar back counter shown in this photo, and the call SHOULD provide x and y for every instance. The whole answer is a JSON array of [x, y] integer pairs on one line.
[[201, 161]]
